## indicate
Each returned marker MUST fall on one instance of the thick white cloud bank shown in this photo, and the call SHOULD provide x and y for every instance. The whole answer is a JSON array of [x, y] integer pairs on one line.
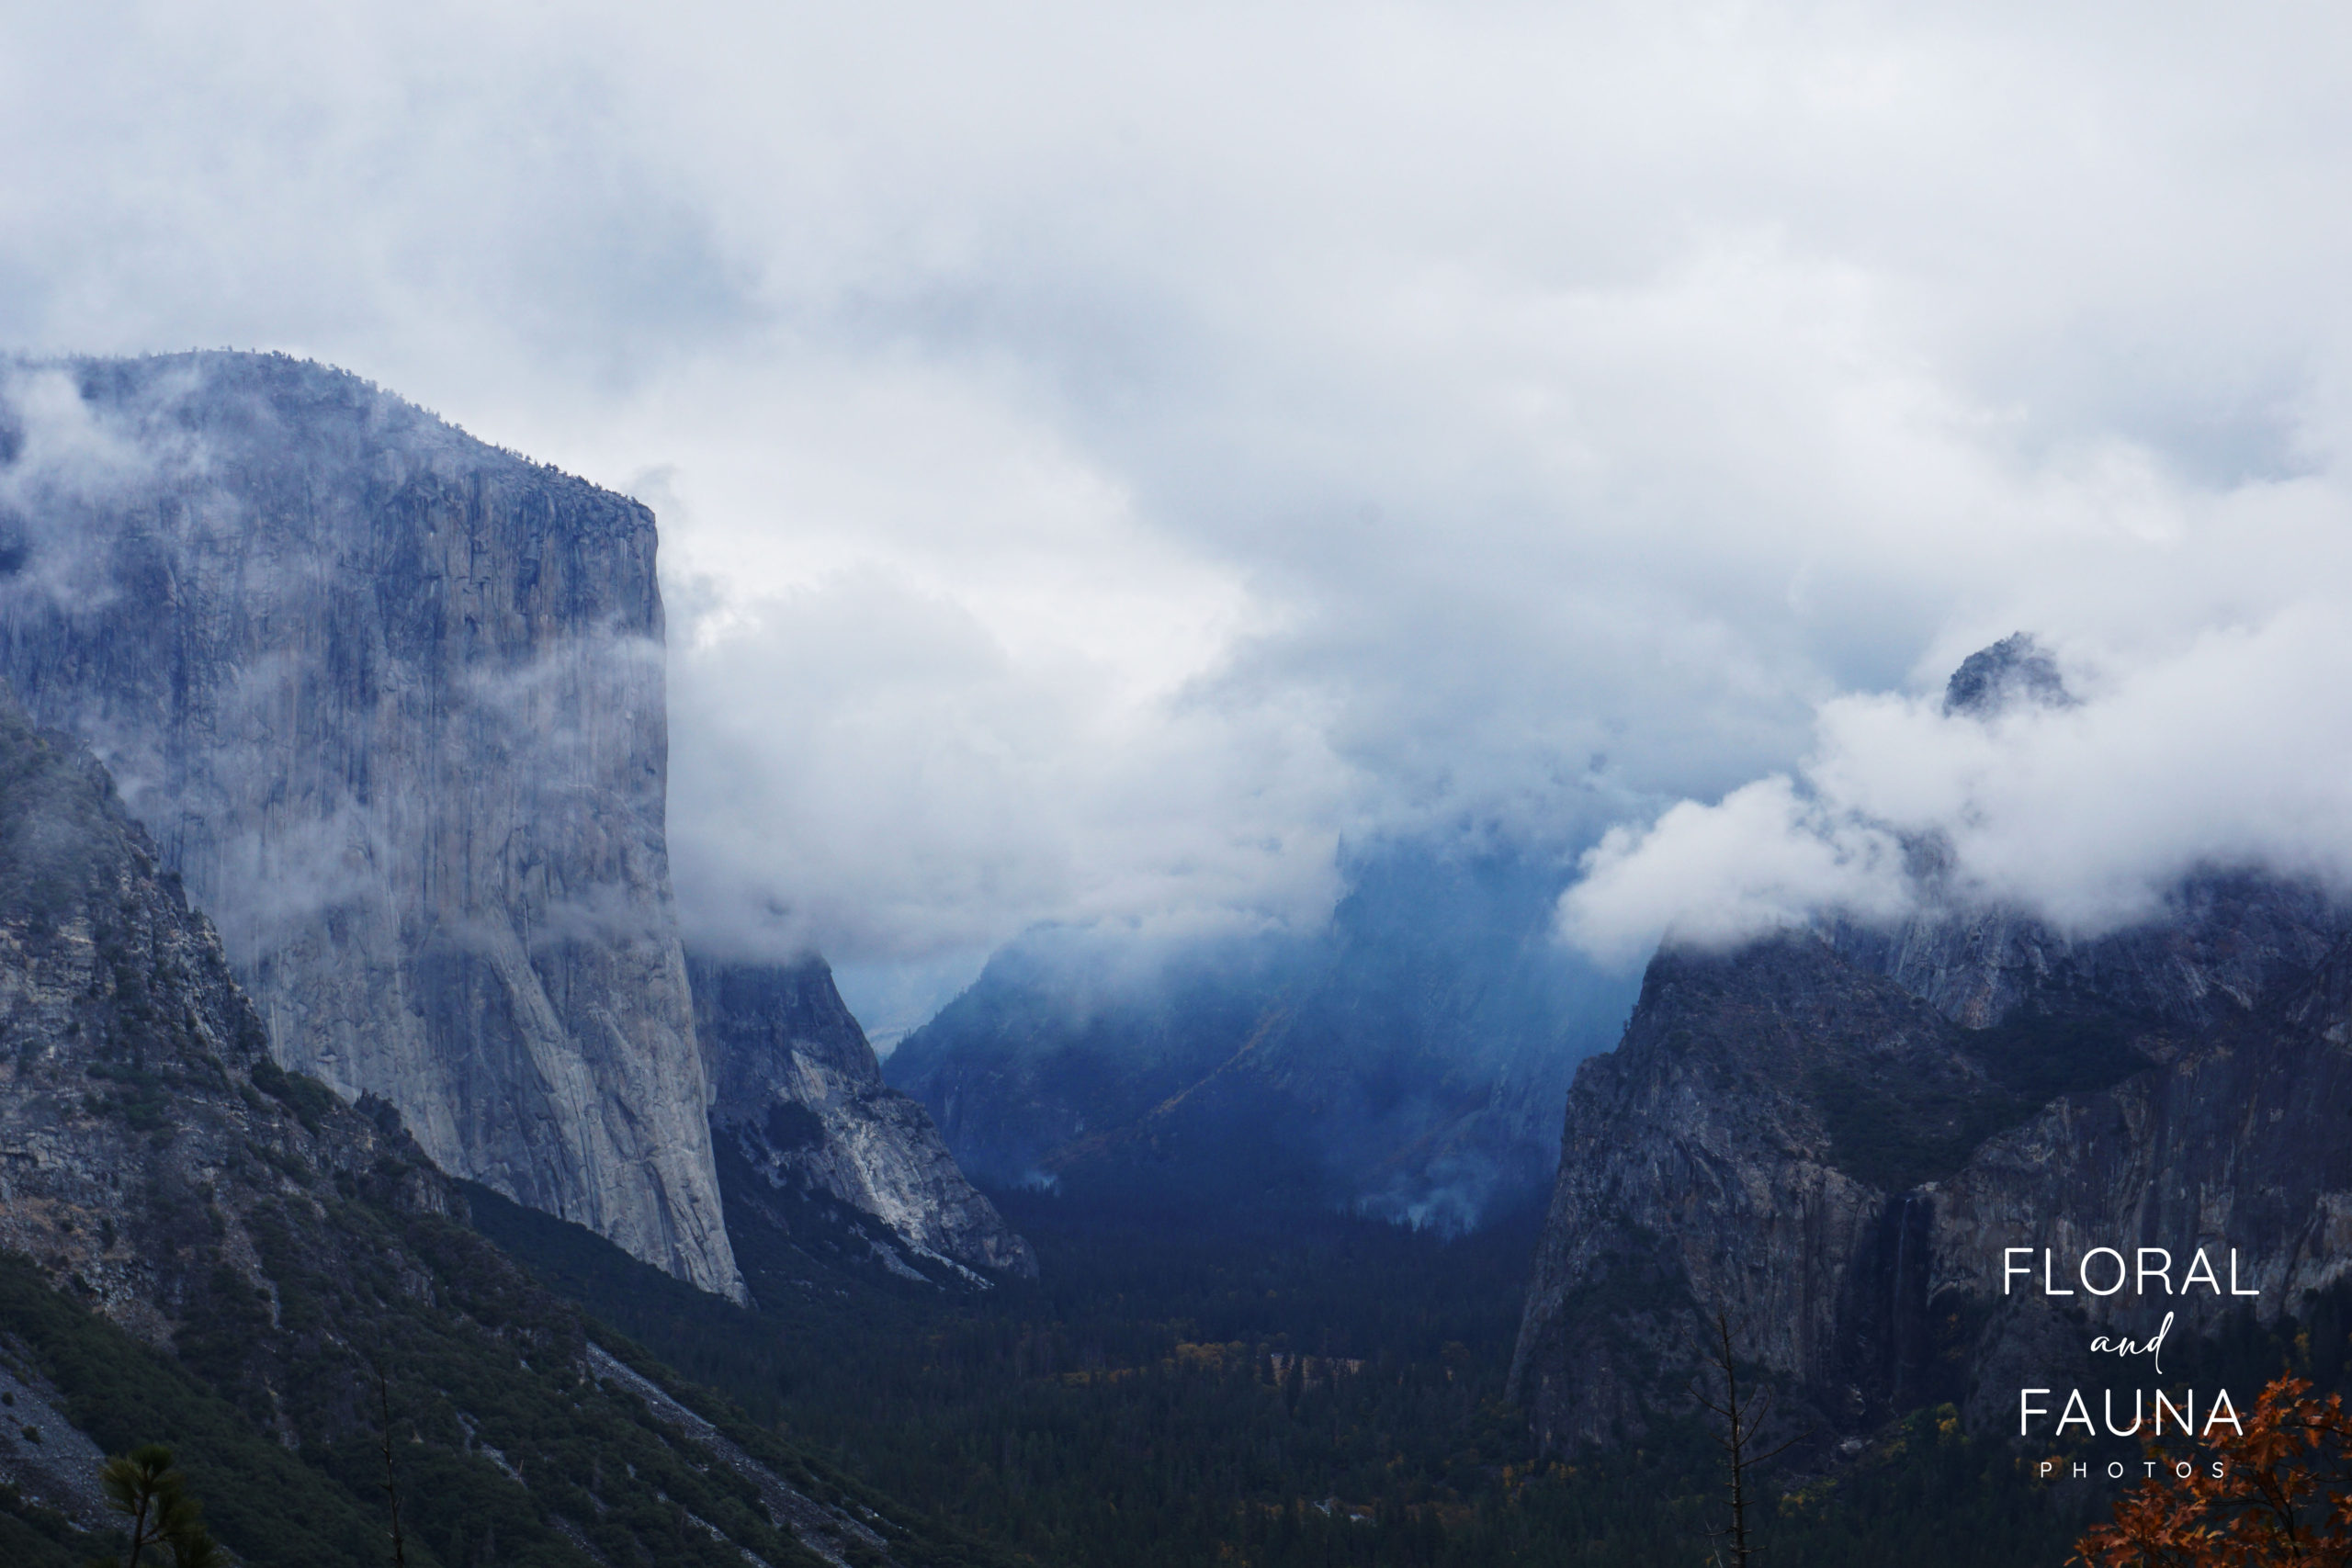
[[1108, 456], [2234, 752]]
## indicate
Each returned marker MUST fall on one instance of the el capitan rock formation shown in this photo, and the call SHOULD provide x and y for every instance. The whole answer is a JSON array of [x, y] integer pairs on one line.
[[390, 701], [198, 1244]]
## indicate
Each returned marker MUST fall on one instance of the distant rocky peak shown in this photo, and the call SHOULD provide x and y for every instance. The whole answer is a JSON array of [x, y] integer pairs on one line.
[[796, 1093], [2015, 670]]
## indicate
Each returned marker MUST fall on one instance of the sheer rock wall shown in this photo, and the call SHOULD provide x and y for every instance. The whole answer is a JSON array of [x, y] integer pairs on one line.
[[1832, 1137], [391, 702]]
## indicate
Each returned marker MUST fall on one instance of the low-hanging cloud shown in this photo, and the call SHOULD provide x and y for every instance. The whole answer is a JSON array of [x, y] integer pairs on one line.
[[866, 768], [1107, 456], [2233, 752]]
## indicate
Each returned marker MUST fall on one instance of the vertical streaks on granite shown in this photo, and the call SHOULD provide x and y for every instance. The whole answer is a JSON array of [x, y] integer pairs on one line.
[[390, 701]]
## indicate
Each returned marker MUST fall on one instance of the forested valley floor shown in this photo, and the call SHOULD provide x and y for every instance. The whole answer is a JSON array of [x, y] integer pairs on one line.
[[1180, 1389]]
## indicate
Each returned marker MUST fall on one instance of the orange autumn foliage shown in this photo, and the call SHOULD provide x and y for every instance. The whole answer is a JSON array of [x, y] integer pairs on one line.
[[2284, 1496]]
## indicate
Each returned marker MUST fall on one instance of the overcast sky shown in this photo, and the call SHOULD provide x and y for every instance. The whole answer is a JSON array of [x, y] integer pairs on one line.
[[1109, 455]]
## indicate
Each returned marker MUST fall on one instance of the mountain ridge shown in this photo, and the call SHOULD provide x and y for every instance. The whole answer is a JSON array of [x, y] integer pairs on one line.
[[1834, 1134], [1404, 1061]]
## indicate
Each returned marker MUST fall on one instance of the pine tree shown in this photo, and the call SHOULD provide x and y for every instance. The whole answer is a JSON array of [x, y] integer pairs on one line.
[[391, 1481], [143, 1487], [1743, 1420]]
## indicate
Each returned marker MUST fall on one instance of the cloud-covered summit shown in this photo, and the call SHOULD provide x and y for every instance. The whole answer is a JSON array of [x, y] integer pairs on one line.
[[2017, 668], [2234, 752]]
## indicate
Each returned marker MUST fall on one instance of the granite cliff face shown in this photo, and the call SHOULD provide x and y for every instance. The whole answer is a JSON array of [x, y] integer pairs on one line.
[[2232, 1139], [390, 701], [1791, 1136], [295, 1276], [1700, 1169], [799, 1098], [1833, 1135], [143, 1125]]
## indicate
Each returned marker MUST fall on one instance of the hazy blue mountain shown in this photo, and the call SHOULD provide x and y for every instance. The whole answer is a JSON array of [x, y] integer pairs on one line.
[[1408, 1060]]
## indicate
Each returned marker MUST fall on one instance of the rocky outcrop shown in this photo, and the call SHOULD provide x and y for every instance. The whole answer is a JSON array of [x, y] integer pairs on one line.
[[1833, 1138], [2014, 671], [391, 702], [144, 1130], [799, 1096], [1734, 1152], [301, 1277], [2231, 1143], [2222, 945]]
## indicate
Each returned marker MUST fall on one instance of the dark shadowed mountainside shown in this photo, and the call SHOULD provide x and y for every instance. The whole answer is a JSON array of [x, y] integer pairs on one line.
[[1834, 1135], [1407, 1062]]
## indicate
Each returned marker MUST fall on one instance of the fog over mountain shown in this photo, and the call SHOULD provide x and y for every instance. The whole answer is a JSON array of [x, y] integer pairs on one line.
[[2227, 754], [1408, 1061], [1108, 460]]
